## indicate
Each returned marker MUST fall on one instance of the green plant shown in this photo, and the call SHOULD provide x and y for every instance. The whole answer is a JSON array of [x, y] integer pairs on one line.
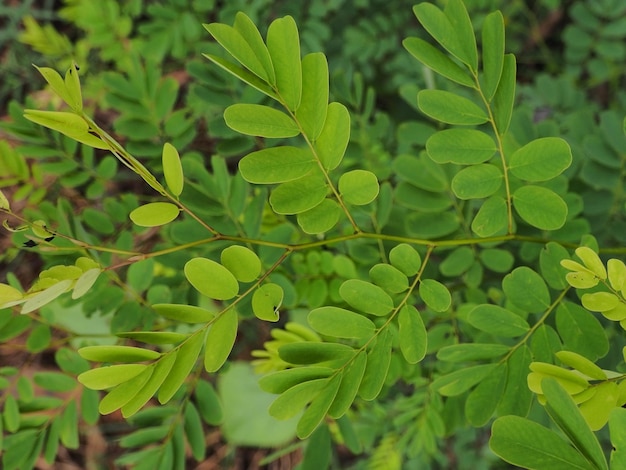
[[420, 296]]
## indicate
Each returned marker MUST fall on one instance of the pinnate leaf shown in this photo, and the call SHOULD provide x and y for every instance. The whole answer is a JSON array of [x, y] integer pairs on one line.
[[541, 159], [260, 120], [154, 214], [340, 323], [211, 279], [450, 108], [358, 187], [276, 165]]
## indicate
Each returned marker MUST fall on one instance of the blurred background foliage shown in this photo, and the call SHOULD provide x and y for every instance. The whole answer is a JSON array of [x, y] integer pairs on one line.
[[144, 80]]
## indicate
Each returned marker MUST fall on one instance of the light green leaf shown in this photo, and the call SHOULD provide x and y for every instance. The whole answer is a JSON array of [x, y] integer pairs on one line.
[[412, 334], [211, 279], [283, 44], [56, 82], [321, 218], [154, 214], [517, 397], [290, 402], [4, 202], [9, 295], [450, 108], [616, 273], [72, 85], [340, 323], [314, 352], [366, 297], [124, 392], [110, 376], [592, 261], [389, 278], [436, 60], [581, 331], [301, 195], [184, 313], [172, 169], [597, 409], [237, 46], [540, 207], [331, 144], [243, 75], [314, 103], [497, 321], [431, 225], [194, 432], [117, 354], [54, 381], [186, 357], [66, 123], [505, 95], [460, 381], [492, 217], [266, 301], [582, 365], [477, 181], [220, 340], [600, 301], [527, 444], [493, 52], [153, 337], [406, 259], [541, 159], [617, 426], [251, 35], [482, 402], [277, 165], [281, 381], [259, 120], [316, 411], [571, 381], [527, 290], [161, 369], [566, 415], [460, 146], [242, 262], [378, 360], [46, 296], [350, 383], [85, 282], [358, 187], [435, 295], [464, 32]]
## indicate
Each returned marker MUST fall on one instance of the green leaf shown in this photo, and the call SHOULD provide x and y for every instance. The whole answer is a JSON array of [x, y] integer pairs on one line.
[[172, 169], [236, 44], [194, 432], [154, 214], [497, 321], [243, 75], [460, 381], [549, 261], [331, 144], [68, 124], [277, 165], [154, 337], [314, 352], [186, 357], [85, 282], [208, 403], [117, 354], [431, 225], [377, 368], [504, 98], [358, 187], [266, 301], [242, 262], [281, 381], [211, 279], [450, 108], [492, 217], [321, 218], [389, 278], [581, 331], [350, 383], [527, 444], [460, 146], [124, 392], [259, 120], [464, 32], [220, 340], [54, 381], [517, 397], [46, 296], [161, 369], [435, 295], [436, 60], [340, 323], [184, 313], [493, 52], [110, 376], [527, 290], [56, 82], [412, 334], [283, 44], [299, 195], [316, 411], [9, 295], [366, 297], [314, 103], [72, 85], [573, 382], [251, 35], [482, 402], [293, 400], [597, 409], [566, 415], [472, 352], [540, 207], [617, 426], [69, 426], [406, 259], [592, 261], [477, 181], [541, 159], [11, 414]]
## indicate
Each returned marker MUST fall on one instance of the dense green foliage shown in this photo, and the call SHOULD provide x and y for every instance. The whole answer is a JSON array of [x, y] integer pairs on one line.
[[433, 268]]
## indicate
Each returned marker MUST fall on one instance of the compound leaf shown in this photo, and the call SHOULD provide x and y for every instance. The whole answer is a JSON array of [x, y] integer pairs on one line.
[[186, 357], [276, 165], [283, 44], [497, 321], [460, 146], [340, 323], [541, 159], [266, 301], [493, 52], [450, 108], [220, 340], [358, 187], [242, 262], [366, 297], [436, 60], [332, 142], [172, 169], [314, 103], [412, 334], [154, 214], [540, 207], [477, 181], [211, 279], [301, 195], [260, 120]]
